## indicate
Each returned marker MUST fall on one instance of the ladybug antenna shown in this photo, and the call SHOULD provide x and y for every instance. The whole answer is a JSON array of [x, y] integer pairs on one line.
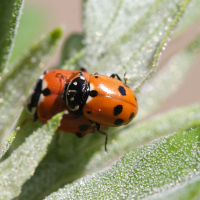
[[125, 78], [98, 127], [106, 140]]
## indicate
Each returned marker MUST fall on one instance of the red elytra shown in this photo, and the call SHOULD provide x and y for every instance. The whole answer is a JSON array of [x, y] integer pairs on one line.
[[110, 102], [46, 101]]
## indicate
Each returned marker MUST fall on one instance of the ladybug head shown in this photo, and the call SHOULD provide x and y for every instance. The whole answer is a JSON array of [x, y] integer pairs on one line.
[[76, 92]]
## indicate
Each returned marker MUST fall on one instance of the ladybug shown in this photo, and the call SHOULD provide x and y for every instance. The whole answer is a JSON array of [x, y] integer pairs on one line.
[[103, 100], [46, 101]]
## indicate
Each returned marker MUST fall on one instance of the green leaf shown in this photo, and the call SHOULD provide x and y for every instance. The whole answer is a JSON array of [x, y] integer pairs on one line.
[[76, 157], [157, 89], [158, 166], [8, 142], [28, 32], [173, 72], [134, 136], [27, 126], [71, 47], [188, 190], [10, 12], [16, 84], [191, 17], [65, 162], [21, 165], [128, 36]]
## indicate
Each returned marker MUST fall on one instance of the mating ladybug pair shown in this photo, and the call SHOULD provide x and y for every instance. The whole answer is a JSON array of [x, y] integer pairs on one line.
[[90, 102]]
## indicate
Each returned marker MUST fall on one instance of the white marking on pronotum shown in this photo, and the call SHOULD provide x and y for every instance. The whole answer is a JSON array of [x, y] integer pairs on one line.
[[41, 98], [82, 77], [66, 112], [75, 83], [72, 99], [44, 84], [91, 87], [76, 107], [89, 99], [41, 76]]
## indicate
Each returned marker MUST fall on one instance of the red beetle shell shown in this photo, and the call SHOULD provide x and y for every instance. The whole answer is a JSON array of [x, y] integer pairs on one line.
[[50, 102], [110, 102]]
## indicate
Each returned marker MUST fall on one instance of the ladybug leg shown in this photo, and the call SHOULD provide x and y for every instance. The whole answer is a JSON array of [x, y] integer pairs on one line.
[[125, 78], [93, 124], [98, 127], [115, 75]]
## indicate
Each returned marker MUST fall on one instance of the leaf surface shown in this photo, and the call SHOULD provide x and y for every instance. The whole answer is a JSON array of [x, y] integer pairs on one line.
[[158, 166], [10, 12], [21, 165], [128, 36]]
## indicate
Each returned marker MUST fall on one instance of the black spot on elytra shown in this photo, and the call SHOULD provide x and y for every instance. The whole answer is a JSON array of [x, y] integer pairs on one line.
[[117, 110], [131, 116], [122, 90], [89, 112], [46, 92], [79, 135], [93, 93], [83, 127], [96, 77], [35, 96], [118, 121]]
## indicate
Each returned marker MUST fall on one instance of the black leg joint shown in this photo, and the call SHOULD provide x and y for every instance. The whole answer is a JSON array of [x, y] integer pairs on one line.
[[115, 75], [98, 127]]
